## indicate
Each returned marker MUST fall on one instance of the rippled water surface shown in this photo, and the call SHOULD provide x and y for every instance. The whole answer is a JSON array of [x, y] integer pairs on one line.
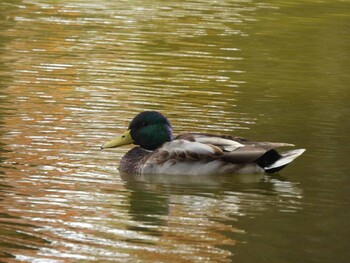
[[73, 74]]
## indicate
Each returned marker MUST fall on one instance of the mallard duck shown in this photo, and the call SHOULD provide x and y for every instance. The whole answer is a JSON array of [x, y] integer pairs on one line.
[[158, 152]]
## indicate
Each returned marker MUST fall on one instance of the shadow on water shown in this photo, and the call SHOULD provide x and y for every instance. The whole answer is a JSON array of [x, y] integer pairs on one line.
[[216, 198], [189, 184]]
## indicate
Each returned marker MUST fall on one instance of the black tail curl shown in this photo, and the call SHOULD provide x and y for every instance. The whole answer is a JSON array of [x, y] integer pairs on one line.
[[269, 158]]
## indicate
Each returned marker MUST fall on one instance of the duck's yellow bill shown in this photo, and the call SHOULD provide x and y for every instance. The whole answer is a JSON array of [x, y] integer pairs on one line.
[[121, 140]]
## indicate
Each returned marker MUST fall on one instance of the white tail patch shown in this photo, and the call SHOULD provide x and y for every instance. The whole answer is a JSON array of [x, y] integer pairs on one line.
[[287, 157]]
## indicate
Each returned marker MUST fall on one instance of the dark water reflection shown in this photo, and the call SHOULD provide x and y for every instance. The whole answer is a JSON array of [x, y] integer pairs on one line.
[[204, 212], [72, 75]]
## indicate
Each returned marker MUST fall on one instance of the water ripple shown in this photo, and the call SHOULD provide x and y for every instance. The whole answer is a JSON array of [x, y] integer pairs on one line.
[[74, 74]]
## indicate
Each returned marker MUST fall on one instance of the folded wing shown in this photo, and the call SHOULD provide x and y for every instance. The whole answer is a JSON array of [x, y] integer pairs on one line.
[[193, 152]]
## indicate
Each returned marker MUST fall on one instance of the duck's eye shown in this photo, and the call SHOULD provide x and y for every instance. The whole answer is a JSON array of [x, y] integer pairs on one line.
[[144, 123]]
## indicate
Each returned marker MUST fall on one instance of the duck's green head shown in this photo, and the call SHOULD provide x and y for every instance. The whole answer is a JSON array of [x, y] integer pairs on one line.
[[149, 129]]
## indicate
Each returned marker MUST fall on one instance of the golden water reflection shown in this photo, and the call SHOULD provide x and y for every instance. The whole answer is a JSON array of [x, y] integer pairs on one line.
[[74, 74]]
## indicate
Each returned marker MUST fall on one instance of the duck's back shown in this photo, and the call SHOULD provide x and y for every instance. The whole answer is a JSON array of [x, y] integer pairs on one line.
[[196, 154]]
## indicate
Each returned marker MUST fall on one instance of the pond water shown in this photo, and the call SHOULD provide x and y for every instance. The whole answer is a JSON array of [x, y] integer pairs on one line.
[[74, 73]]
